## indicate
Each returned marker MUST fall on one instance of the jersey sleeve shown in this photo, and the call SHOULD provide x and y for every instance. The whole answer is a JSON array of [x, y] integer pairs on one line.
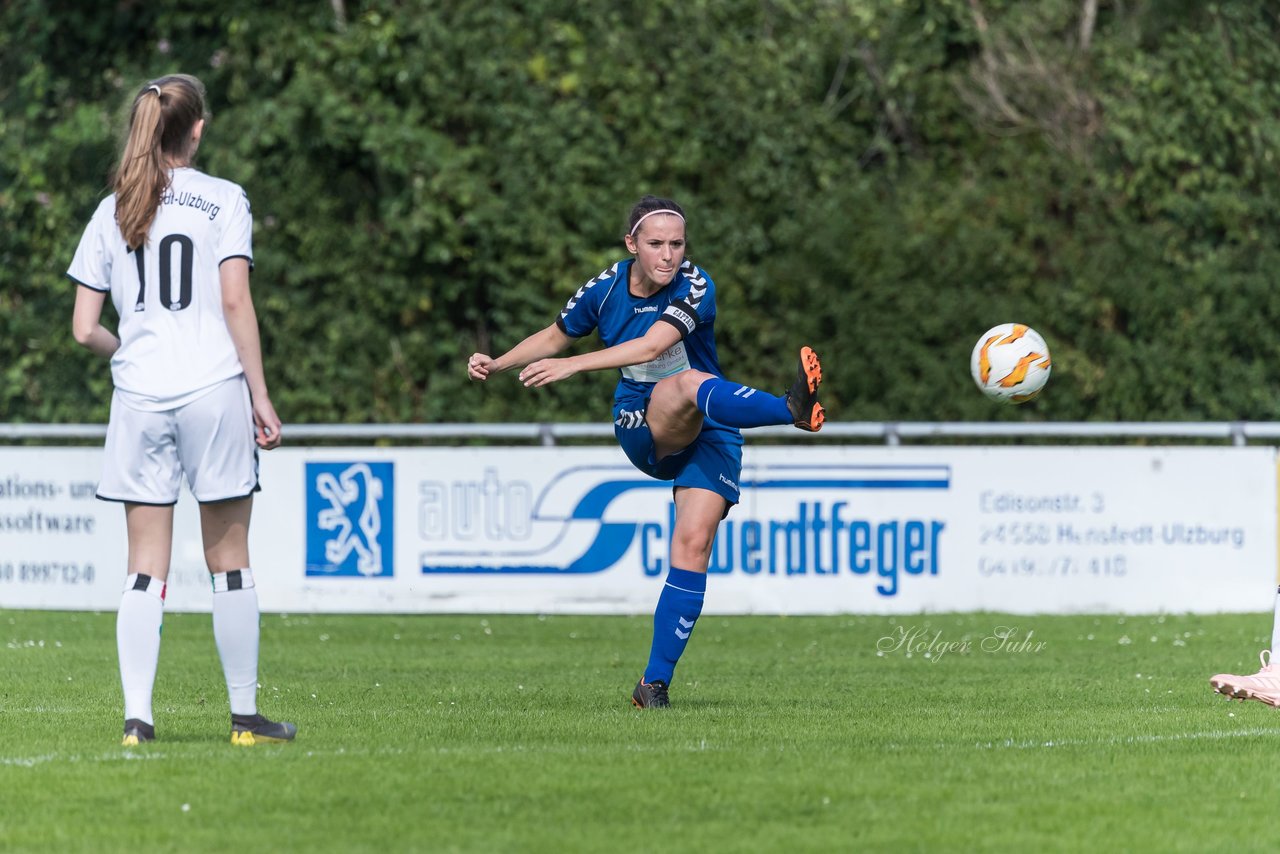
[[91, 265], [694, 303], [582, 313], [236, 240]]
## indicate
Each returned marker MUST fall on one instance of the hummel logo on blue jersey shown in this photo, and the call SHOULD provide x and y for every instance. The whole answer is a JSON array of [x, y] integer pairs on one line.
[[641, 309]]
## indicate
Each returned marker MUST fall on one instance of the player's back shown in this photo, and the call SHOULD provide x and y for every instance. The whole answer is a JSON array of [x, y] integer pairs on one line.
[[174, 340]]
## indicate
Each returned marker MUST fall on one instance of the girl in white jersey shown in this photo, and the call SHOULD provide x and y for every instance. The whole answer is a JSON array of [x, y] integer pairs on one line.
[[173, 248]]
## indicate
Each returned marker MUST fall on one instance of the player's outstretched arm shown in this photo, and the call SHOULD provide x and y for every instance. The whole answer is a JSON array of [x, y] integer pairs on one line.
[[655, 342], [541, 344]]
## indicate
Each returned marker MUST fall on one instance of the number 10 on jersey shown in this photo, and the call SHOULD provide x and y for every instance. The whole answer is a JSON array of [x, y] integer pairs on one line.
[[166, 250]]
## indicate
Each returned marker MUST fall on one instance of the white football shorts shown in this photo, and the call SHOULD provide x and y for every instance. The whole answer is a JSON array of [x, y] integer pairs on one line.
[[210, 440]]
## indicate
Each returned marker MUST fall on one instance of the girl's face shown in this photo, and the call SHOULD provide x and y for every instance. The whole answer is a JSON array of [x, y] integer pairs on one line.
[[659, 249]]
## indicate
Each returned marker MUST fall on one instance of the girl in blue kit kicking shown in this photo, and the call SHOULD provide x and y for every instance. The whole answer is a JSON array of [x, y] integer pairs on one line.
[[675, 415]]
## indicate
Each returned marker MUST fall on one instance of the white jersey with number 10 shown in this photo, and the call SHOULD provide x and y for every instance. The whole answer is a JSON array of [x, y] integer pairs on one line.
[[174, 343]]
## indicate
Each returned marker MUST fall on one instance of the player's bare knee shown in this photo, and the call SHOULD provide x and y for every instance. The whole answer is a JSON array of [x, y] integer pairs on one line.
[[690, 382]]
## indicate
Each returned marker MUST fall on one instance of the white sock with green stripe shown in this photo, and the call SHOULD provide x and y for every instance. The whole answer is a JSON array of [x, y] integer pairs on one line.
[[235, 631]]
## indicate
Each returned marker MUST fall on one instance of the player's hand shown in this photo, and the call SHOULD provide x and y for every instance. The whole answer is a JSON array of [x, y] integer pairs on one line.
[[546, 371], [266, 424], [479, 366]]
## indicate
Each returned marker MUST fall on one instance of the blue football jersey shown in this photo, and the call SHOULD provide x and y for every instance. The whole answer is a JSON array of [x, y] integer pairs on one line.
[[688, 303]]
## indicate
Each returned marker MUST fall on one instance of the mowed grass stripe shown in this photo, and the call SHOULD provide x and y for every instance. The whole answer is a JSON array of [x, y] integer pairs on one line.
[[483, 733]]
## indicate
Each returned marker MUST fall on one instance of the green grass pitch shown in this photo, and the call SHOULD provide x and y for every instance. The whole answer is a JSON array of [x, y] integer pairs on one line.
[[515, 733]]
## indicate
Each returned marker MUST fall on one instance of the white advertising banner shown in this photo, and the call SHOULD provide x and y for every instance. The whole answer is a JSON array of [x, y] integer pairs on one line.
[[821, 529]]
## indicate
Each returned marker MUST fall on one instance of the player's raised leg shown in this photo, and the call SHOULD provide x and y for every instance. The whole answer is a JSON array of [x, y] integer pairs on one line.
[[678, 404], [698, 514], [737, 405], [141, 614], [672, 415], [225, 528]]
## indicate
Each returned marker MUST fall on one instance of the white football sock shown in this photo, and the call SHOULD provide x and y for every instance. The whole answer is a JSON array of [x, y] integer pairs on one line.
[[138, 625], [1275, 628], [235, 630]]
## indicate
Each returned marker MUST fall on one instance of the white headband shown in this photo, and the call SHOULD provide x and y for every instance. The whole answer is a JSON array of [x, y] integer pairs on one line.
[[157, 88], [652, 213]]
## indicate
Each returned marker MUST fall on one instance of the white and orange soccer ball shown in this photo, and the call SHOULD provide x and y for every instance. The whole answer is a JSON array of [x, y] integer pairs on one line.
[[1010, 363]]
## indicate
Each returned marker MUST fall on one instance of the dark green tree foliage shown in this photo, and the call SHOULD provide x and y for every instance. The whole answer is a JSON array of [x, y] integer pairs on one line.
[[882, 179]]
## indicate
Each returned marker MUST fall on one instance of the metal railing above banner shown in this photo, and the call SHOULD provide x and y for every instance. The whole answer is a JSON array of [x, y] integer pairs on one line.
[[886, 432]]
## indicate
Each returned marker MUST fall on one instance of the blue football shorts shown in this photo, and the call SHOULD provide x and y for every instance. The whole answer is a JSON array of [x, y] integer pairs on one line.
[[713, 461]]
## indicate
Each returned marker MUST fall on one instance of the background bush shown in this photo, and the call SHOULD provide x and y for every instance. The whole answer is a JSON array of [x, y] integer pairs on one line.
[[883, 179]]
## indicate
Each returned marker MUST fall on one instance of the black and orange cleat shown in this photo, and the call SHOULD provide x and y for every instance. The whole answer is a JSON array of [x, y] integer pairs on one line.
[[650, 695], [802, 397]]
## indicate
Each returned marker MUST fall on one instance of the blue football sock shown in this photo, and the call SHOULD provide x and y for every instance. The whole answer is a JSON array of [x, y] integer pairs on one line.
[[736, 405], [673, 619]]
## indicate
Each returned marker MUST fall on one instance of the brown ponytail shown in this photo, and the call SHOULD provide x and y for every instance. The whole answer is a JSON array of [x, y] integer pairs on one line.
[[160, 124]]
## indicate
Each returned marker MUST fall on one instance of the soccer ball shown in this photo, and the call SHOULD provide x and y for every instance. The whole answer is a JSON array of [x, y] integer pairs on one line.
[[1010, 363]]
